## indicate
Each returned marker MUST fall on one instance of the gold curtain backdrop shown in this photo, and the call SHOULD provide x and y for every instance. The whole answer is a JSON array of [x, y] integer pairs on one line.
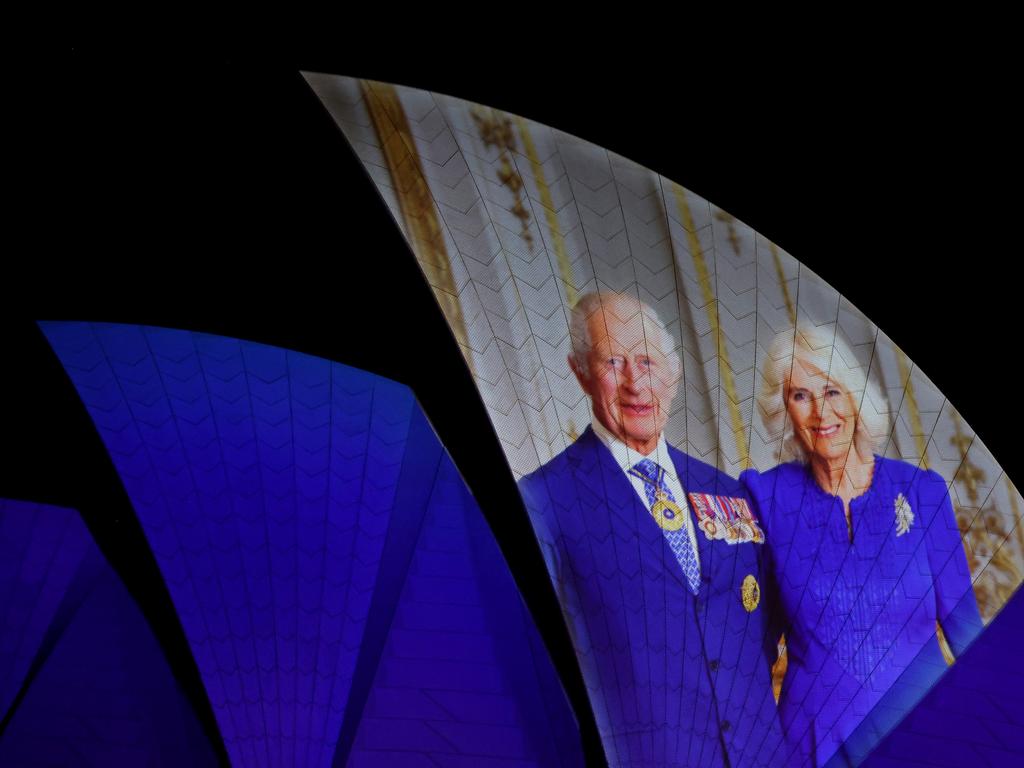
[[512, 220]]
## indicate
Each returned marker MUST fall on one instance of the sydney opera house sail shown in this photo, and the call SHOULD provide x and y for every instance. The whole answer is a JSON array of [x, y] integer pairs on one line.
[[340, 592], [83, 679], [728, 467], [712, 514]]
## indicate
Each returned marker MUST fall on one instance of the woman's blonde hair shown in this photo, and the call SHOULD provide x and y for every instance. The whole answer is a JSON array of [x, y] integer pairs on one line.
[[833, 357]]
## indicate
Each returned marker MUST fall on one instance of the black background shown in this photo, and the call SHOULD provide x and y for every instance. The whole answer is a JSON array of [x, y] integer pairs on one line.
[[211, 191]]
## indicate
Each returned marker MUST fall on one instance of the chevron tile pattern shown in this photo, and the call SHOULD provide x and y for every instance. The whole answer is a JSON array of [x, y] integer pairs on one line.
[[99, 691], [527, 219], [41, 549], [464, 678], [972, 716], [313, 536]]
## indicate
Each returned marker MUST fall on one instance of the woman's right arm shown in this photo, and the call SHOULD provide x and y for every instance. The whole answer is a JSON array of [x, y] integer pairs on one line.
[[956, 607]]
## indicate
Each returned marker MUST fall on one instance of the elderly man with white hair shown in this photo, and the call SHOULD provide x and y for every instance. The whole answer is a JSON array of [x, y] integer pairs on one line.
[[656, 557], [865, 551]]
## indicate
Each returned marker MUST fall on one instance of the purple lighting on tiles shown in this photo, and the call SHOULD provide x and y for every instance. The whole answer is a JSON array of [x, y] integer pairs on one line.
[[295, 507], [94, 688]]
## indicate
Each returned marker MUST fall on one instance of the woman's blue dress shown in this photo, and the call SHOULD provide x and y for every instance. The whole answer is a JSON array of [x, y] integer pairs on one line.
[[859, 617]]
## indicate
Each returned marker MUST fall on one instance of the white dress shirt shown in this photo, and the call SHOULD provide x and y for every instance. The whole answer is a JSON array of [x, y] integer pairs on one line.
[[627, 458]]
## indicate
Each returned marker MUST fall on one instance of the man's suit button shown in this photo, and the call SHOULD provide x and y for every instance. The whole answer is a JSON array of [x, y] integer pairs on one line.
[[713, 665], [726, 725]]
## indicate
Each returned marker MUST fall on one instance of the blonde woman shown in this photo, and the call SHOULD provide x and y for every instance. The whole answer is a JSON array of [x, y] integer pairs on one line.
[[865, 553]]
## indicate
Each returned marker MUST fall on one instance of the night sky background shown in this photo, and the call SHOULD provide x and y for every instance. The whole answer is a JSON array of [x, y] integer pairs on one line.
[[211, 191]]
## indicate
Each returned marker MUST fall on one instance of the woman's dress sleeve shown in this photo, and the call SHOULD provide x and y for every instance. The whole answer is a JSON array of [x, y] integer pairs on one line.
[[956, 607]]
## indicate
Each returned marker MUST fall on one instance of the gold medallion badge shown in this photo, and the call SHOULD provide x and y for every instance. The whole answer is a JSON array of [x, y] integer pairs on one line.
[[750, 592], [666, 512]]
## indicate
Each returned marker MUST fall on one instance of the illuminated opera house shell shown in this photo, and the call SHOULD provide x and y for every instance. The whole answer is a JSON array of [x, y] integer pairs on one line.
[[514, 224], [339, 590], [345, 602]]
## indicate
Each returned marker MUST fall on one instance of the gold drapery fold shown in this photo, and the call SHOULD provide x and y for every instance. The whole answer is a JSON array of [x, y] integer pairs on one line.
[[790, 306], [726, 378], [422, 224], [550, 215]]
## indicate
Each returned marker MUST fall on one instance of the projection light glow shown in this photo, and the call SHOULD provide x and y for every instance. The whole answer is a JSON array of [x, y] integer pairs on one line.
[[720, 455]]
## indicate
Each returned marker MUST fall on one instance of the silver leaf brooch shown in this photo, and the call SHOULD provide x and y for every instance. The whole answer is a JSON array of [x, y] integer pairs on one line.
[[904, 515]]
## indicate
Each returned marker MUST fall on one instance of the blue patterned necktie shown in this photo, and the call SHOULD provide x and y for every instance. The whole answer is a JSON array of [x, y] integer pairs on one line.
[[669, 518]]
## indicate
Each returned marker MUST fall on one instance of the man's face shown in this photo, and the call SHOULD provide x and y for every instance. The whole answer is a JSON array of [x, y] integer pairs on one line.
[[630, 379]]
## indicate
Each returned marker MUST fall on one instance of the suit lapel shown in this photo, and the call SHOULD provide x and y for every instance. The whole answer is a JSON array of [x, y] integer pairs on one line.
[[628, 517]]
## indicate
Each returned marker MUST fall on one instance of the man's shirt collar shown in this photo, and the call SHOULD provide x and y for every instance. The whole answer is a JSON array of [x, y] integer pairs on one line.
[[627, 458]]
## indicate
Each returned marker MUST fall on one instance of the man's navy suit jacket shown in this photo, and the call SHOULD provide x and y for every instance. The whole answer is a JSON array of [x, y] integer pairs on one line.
[[674, 679]]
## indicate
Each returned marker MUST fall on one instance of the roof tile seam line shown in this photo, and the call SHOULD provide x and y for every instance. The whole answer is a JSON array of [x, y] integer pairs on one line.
[[400, 545], [80, 588], [208, 716]]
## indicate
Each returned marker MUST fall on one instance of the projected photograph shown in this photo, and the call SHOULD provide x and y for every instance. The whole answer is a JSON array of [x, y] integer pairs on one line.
[[770, 534]]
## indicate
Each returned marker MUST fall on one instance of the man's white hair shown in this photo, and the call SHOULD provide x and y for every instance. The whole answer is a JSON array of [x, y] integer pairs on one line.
[[832, 356], [595, 301]]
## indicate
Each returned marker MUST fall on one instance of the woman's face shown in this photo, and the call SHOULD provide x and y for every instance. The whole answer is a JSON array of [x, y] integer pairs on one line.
[[823, 412]]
